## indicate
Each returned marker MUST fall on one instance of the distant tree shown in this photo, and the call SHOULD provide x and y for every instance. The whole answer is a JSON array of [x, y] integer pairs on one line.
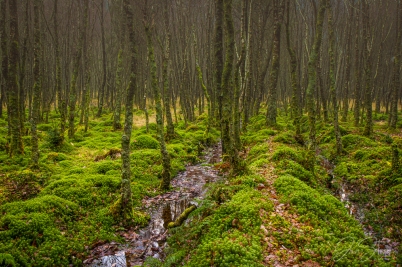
[[16, 147]]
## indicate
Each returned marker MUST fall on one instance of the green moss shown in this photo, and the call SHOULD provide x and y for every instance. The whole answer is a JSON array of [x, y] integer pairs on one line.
[[55, 157], [144, 141], [104, 166], [45, 127], [334, 231], [285, 138], [258, 150], [295, 169], [233, 225], [352, 141], [7, 260], [287, 153]]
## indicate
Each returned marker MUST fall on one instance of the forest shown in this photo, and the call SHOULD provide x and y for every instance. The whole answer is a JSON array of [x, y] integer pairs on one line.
[[169, 133]]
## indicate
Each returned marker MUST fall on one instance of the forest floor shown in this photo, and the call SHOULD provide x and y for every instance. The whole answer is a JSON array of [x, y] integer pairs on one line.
[[281, 212]]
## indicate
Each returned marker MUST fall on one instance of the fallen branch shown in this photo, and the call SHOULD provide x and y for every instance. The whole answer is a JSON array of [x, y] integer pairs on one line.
[[182, 217]]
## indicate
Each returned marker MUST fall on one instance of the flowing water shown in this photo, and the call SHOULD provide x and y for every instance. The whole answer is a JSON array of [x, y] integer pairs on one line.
[[189, 189], [384, 246]]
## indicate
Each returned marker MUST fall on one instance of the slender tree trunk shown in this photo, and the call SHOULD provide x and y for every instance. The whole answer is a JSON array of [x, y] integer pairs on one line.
[[273, 79], [218, 60], [165, 74], [368, 101], [117, 107], [396, 75], [126, 202], [76, 65], [104, 63], [37, 86], [332, 80], [345, 107], [312, 75], [227, 84], [357, 93], [296, 109], [165, 184], [16, 147], [4, 54]]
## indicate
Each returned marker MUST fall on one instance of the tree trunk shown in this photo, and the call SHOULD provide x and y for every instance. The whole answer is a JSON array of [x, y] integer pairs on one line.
[[368, 98], [165, 184], [126, 203], [102, 89], [16, 147], [312, 75], [332, 81], [119, 91], [296, 109], [273, 79], [218, 60], [37, 87]]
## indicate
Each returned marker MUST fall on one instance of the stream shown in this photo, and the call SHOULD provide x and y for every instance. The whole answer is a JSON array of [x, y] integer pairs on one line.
[[383, 246], [150, 241]]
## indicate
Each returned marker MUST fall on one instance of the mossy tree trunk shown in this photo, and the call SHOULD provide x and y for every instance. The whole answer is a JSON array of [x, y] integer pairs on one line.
[[296, 109], [345, 107], [37, 87], [218, 60], [368, 97], [16, 147], [312, 75], [357, 93], [274, 74], [117, 108], [204, 88], [165, 73], [4, 52], [397, 70], [104, 63], [76, 65], [165, 184], [58, 89], [227, 88], [333, 92], [126, 202]]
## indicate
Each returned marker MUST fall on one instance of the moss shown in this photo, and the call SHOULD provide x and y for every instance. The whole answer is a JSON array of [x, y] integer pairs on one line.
[[56, 157], [258, 137], [285, 138], [334, 230], [45, 127], [287, 153], [234, 224], [295, 169], [192, 127], [145, 141], [351, 141], [257, 150], [7, 260], [107, 165]]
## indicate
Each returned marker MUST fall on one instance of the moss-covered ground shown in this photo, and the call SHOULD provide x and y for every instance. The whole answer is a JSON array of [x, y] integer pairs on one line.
[[54, 216], [285, 210]]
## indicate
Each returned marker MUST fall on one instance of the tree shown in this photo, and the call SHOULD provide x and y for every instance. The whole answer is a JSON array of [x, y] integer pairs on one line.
[[368, 98], [124, 206], [312, 74], [165, 184], [332, 81], [37, 86], [274, 74], [16, 147], [218, 61], [296, 109]]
